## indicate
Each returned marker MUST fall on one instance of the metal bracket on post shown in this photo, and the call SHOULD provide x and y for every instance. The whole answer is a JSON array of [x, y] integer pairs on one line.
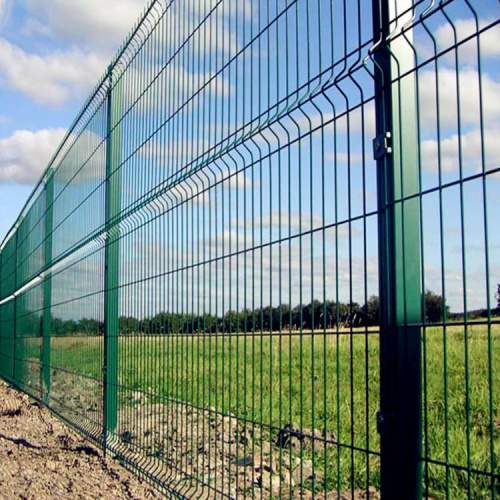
[[382, 145], [385, 423]]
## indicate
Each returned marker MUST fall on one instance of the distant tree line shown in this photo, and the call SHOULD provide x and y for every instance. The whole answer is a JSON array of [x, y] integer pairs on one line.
[[316, 315]]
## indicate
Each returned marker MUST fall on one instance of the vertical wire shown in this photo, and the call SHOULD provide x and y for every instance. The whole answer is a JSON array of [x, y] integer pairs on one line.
[[422, 275], [253, 252], [280, 270], [219, 226], [272, 327], [245, 246], [312, 245], [182, 204], [464, 277], [365, 270], [261, 249], [193, 267], [200, 338], [233, 332], [289, 60], [301, 273]]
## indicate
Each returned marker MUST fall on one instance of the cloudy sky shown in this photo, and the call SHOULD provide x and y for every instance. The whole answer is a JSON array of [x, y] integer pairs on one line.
[[52, 53]]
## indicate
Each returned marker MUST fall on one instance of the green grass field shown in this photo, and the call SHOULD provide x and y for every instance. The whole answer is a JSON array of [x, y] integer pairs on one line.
[[325, 382]]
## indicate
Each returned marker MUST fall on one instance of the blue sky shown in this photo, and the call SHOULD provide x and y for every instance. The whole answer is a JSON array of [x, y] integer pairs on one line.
[[53, 52]]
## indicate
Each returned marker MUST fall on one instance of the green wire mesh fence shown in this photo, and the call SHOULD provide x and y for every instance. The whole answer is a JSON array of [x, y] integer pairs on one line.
[[264, 261]]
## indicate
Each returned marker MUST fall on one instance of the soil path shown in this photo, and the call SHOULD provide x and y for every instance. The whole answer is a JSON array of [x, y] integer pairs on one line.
[[41, 458]]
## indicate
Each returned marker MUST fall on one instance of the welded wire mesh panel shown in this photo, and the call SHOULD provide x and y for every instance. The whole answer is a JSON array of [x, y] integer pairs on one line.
[[456, 75], [27, 347], [30, 235], [7, 340], [53, 278], [76, 344], [264, 261], [78, 181], [8, 283], [7, 311], [74, 302], [248, 248]]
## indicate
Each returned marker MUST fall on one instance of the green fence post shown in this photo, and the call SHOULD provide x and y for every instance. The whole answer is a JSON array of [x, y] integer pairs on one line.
[[395, 149], [2, 346], [112, 248], [14, 333], [47, 289]]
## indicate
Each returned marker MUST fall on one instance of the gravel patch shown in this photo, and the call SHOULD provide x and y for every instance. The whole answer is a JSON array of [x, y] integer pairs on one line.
[[41, 458], [196, 453]]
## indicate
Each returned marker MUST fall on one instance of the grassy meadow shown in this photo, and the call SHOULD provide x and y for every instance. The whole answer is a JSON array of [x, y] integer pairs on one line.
[[325, 382]]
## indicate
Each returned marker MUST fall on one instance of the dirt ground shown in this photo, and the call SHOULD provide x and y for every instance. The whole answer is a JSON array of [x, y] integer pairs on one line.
[[41, 458]]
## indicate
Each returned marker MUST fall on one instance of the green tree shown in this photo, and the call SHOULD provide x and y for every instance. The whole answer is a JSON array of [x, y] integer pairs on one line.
[[127, 325], [435, 307], [88, 326], [497, 295], [331, 314], [231, 322], [371, 311]]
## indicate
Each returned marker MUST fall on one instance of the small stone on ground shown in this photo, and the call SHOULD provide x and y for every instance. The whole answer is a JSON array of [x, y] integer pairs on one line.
[[41, 458]]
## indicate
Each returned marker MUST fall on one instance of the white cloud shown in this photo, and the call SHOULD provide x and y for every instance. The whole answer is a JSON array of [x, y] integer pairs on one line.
[[206, 38], [449, 98], [104, 25], [5, 10], [353, 158], [207, 24], [187, 84], [24, 155], [77, 168], [293, 271], [90, 22], [288, 224], [256, 273], [453, 277], [51, 79], [471, 149], [489, 40]]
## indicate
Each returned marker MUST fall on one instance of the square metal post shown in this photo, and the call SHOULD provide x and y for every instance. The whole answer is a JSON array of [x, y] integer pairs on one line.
[[47, 289], [112, 255], [14, 332], [395, 149], [2, 329]]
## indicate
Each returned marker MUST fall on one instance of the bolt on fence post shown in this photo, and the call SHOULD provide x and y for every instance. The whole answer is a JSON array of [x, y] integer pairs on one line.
[[399, 421], [47, 289], [111, 261]]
